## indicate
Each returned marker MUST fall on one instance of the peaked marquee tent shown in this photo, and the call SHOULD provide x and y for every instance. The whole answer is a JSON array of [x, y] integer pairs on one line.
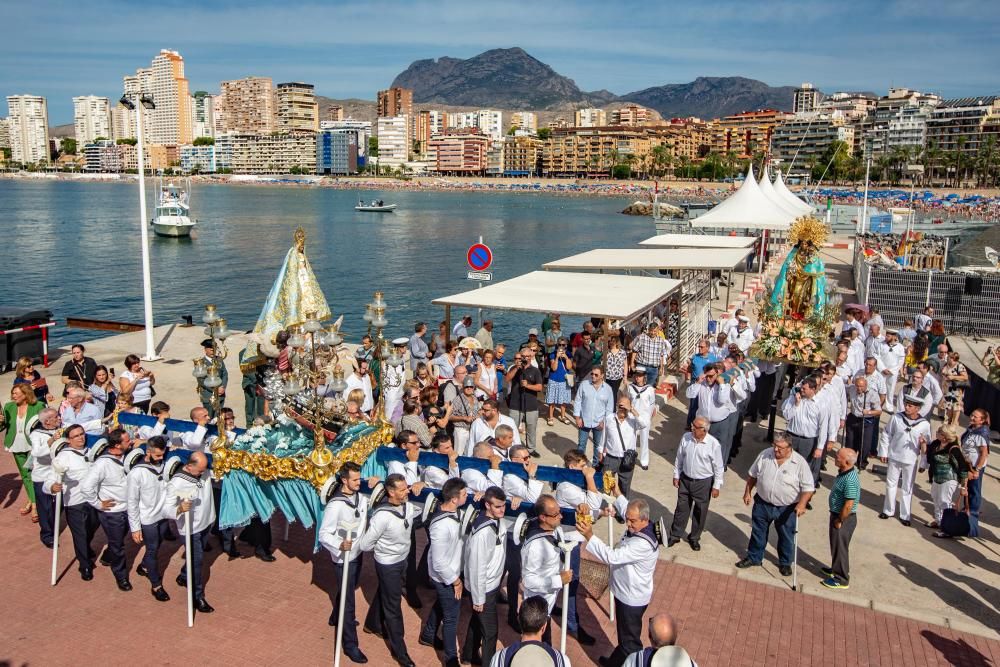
[[747, 208]]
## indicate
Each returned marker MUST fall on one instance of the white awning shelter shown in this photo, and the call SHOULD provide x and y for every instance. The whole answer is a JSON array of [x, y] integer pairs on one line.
[[651, 259], [698, 241], [608, 296], [782, 190], [767, 189], [747, 208]]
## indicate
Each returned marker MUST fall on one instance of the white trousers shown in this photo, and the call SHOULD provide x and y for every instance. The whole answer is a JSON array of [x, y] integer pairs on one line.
[[460, 440], [890, 392], [944, 497], [643, 446], [903, 476]]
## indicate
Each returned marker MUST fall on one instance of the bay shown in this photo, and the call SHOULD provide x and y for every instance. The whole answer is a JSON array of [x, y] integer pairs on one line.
[[74, 248]]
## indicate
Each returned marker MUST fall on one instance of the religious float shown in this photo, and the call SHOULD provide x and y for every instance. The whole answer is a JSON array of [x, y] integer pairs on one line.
[[798, 310]]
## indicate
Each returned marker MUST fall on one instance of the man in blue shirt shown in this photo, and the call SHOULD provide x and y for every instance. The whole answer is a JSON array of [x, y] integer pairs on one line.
[[79, 411], [594, 401], [418, 346], [696, 366]]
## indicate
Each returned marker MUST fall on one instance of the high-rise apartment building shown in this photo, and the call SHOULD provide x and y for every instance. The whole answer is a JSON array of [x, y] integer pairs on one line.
[[854, 106], [489, 121], [170, 122], [202, 114], [393, 139], [899, 120], [334, 112], [805, 99], [801, 140], [631, 115], [430, 123], [246, 105], [746, 133], [295, 107], [964, 124], [91, 119], [590, 118], [395, 102], [527, 121], [4, 133], [461, 152], [28, 119], [336, 152], [362, 129]]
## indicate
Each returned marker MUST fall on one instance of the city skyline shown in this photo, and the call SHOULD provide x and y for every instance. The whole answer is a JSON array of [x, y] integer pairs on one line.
[[870, 48]]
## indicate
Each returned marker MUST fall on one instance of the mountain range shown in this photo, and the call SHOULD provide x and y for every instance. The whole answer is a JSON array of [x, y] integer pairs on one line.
[[513, 79]]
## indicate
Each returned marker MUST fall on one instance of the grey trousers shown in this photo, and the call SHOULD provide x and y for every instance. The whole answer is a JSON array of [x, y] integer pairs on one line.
[[840, 544], [696, 495], [723, 431], [530, 425]]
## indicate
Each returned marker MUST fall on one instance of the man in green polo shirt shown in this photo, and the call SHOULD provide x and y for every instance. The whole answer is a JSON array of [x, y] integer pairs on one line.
[[844, 498]]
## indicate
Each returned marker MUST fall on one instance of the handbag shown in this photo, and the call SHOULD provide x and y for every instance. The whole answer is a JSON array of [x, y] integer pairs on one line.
[[570, 379], [630, 456], [955, 522]]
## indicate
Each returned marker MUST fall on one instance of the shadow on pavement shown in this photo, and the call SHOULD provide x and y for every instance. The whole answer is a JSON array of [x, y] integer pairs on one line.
[[956, 652]]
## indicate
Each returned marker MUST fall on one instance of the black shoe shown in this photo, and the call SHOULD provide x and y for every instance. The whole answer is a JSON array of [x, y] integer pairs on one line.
[[104, 561], [372, 631], [332, 621], [671, 541], [124, 585], [181, 581], [535, 455], [48, 545], [207, 548], [809, 506], [264, 556], [604, 661], [414, 601], [695, 545], [582, 637], [203, 607], [171, 536], [234, 553], [883, 515], [405, 661], [644, 467], [905, 522], [744, 563], [161, 595], [141, 571], [86, 575], [437, 642], [785, 570], [356, 656]]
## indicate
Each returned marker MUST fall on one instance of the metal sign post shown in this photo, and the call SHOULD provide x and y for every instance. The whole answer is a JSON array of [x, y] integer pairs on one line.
[[479, 258]]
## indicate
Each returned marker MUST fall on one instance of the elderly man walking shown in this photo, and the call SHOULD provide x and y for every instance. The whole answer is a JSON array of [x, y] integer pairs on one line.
[[784, 485], [844, 499], [698, 474]]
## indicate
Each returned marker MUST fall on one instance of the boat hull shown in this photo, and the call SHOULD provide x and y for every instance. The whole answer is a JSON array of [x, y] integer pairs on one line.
[[376, 209], [172, 231]]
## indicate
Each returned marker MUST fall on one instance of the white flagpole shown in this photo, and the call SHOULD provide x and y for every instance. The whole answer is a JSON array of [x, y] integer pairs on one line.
[[611, 545], [187, 566], [55, 539], [565, 594], [343, 596]]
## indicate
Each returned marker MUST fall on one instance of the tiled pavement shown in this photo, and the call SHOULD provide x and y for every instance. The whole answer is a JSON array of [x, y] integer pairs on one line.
[[275, 614]]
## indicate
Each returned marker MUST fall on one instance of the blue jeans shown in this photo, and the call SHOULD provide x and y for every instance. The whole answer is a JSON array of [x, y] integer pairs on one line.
[[975, 502], [445, 612], [784, 520], [581, 441], [651, 373]]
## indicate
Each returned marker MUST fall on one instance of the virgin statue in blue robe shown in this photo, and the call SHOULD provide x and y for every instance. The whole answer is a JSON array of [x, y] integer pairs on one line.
[[800, 288]]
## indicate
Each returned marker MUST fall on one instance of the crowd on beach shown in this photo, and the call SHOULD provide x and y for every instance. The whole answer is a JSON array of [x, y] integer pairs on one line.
[[466, 394]]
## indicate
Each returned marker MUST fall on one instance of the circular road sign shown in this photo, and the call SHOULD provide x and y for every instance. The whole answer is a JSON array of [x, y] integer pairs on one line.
[[479, 256]]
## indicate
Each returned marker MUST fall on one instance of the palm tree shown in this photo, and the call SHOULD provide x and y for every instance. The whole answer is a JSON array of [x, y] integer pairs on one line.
[[984, 160], [957, 158]]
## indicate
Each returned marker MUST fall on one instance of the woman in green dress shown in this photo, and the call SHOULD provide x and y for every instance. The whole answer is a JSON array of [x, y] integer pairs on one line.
[[16, 414]]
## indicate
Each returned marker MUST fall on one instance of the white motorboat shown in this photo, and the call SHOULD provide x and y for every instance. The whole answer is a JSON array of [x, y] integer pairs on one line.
[[173, 210], [375, 207]]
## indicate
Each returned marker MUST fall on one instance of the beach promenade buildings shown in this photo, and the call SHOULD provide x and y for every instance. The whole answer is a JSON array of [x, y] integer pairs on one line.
[[461, 152], [246, 105], [28, 129], [102, 156], [91, 119], [805, 99], [337, 152], [964, 125], [590, 118], [631, 115], [899, 120], [170, 122], [362, 130], [393, 140], [488, 121], [197, 159], [272, 153], [800, 141], [745, 133], [526, 121], [202, 114], [295, 107]]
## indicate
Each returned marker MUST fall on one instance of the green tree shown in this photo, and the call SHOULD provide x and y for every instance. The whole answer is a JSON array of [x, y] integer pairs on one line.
[[204, 141], [68, 146], [130, 142], [373, 146], [621, 171], [545, 133]]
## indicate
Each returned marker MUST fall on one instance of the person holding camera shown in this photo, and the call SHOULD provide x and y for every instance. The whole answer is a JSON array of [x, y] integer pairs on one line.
[[137, 382], [522, 401]]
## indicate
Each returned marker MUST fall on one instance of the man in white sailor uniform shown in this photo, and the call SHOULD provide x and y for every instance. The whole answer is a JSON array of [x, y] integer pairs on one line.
[[533, 649], [41, 433], [192, 479], [742, 335], [345, 505], [388, 534], [434, 476], [891, 360], [542, 572], [197, 440], [80, 516], [394, 378], [643, 398], [571, 496], [145, 492], [518, 489], [104, 489], [902, 442], [633, 563], [445, 566], [408, 441], [161, 411], [477, 480], [485, 557]]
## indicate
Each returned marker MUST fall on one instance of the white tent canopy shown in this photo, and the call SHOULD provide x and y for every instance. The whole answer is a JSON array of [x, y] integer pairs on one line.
[[617, 259], [782, 191], [768, 191], [747, 208], [698, 241], [583, 294]]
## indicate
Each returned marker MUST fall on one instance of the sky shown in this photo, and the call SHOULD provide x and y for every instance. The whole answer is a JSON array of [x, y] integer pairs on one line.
[[61, 48]]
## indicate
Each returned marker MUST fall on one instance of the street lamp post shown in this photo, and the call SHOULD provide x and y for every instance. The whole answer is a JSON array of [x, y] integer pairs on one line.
[[145, 101]]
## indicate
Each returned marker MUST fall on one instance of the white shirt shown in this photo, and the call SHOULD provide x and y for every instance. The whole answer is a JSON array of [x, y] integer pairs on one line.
[[743, 339], [332, 533], [900, 439], [105, 481], [927, 400], [856, 353], [700, 459], [145, 493], [41, 453], [781, 485], [632, 562], [805, 418], [76, 466], [643, 399], [527, 490], [141, 390], [478, 482], [202, 502], [486, 376], [922, 322], [485, 555], [444, 556], [931, 382], [714, 402], [847, 325], [194, 440], [541, 563], [435, 477], [876, 381], [892, 357], [480, 430], [411, 472], [570, 496], [615, 430], [365, 385], [388, 533], [637, 660]]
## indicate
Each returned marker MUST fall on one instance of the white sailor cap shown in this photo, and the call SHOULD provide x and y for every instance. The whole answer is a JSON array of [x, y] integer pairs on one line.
[[329, 488], [912, 400], [402, 340], [133, 457], [894, 332], [97, 449], [172, 467], [743, 318]]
